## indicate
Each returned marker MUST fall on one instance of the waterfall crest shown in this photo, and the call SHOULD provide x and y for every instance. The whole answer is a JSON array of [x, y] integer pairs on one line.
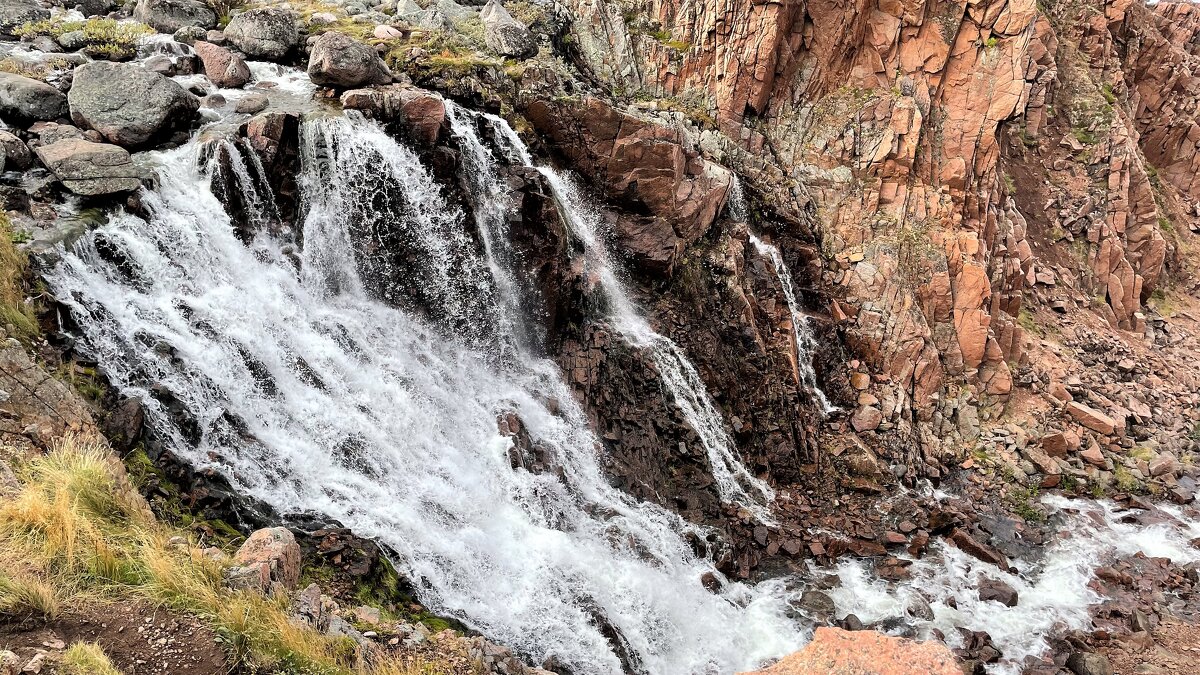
[[315, 389]]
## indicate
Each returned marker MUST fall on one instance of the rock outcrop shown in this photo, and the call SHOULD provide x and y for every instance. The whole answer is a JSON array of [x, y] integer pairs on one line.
[[340, 61], [128, 104], [646, 167], [90, 169]]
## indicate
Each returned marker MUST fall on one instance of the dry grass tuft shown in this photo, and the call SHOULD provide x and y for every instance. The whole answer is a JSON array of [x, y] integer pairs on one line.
[[79, 530], [87, 658]]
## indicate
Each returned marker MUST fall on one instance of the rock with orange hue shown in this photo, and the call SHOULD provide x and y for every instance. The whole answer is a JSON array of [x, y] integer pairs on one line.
[[1091, 418], [269, 557], [834, 651], [423, 113], [643, 165]]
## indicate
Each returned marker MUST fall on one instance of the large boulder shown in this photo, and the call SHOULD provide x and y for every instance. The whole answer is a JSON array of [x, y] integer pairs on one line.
[[14, 13], [265, 33], [90, 169], [834, 651], [340, 61], [128, 104], [25, 99], [504, 34], [226, 69], [269, 559], [168, 16]]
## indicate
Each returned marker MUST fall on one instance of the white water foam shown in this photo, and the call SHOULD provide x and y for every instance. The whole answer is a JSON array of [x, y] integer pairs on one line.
[[734, 482], [1053, 593], [313, 396], [802, 334]]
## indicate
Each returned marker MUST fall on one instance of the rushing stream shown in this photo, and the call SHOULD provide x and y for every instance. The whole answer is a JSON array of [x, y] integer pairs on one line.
[[299, 378]]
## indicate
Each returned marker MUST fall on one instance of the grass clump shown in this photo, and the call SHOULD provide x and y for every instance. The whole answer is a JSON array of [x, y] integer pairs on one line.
[[86, 658], [1126, 482], [14, 310], [100, 38], [78, 529], [1023, 502]]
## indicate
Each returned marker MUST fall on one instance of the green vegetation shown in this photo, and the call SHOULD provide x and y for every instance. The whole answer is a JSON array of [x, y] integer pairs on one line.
[[1024, 503], [1125, 481], [15, 311], [101, 38], [79, 532]]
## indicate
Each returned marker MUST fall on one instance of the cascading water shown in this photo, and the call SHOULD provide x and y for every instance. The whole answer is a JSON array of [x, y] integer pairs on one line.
[[734, 482], [312, 395], [805, 341]]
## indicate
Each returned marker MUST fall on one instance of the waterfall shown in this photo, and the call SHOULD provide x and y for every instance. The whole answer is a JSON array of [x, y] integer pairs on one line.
[[734, 482], [805, 341], [313, 392]]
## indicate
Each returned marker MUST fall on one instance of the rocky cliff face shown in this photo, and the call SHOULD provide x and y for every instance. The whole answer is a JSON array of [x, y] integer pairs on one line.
[[961, 164]]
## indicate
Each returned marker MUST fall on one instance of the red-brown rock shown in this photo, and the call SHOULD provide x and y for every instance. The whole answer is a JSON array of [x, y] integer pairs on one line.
[[834, 651]]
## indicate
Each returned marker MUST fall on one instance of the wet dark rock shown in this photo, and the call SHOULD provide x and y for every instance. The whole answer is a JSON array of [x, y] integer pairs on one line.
[[963, 540], [818, 602], [338, 60], [123, 426], [252, 103], [16, 153], [264, 33], [27, 100], [128, 104], [852, 622], [168, 16], [991, 589]]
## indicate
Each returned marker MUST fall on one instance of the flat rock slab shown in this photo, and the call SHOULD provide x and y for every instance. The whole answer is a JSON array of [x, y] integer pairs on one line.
[[90, 169]]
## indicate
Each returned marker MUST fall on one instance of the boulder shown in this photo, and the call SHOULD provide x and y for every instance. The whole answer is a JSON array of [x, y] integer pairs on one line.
[[251, 104], [504, 34], [265, 33], [269, 556], [340, 61], [90, 169], [14, 13], [168, 16], [16, 153], [1089, 663], [1091, 418], [128, 104], [991, 589], [834, 651], [866, 418], [224, 68], [28, 100], [423, 113]]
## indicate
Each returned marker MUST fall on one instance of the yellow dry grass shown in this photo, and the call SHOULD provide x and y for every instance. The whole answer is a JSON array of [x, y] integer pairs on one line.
[[79, 530]]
